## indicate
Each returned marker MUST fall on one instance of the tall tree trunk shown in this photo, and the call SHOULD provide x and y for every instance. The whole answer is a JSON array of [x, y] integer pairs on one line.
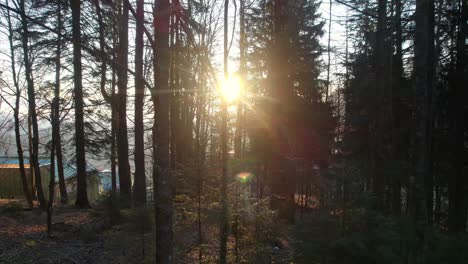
[[162, 180], [60, 169], [200, 147], [399, 148], [109, 98], [423, 47], [31, 168], [379, 114], [224, 224], [329, 50], [173, 134], [56, 109], [122, 134], [114, 117], [50, 203], [16, 110], [199, 155], [140, 177], [457, 183], [81, 191], [113, 137], [243, 76], [199, 176], [33, 159]]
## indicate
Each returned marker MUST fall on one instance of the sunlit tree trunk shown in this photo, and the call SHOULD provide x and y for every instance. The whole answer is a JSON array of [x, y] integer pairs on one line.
[[224, 224], [172, 85], [243, 76]]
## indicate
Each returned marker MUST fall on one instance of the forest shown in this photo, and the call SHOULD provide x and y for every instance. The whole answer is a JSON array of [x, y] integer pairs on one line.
[[234, 131]]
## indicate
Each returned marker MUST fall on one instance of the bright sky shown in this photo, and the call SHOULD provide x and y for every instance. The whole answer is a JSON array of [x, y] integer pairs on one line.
[[338, 37], [337, 44]]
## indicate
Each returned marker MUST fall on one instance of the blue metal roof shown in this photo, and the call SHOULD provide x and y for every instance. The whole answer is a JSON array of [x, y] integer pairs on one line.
[[14, 160], [69, 169]]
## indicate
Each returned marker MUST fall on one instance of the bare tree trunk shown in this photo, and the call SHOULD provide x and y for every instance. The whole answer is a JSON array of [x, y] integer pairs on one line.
[[423, 42], [31, 168], [109, 98], [50, 203], [400, 154], [200, 152], [122, 134], [224, 224], [140, 177], [243, 76], [33, 159], [457, 183], [328, 50], [379, 93], [162, 165], [16, 110], [60, 170], [114, 117], [113, 139], [81, 191], [56, 109]]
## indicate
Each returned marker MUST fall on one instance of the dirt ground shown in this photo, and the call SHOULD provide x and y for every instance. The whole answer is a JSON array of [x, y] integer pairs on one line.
[[89, 236], [77, 237]]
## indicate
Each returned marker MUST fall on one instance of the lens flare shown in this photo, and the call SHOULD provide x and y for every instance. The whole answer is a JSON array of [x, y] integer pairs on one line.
[[244, 176], [230, 88]]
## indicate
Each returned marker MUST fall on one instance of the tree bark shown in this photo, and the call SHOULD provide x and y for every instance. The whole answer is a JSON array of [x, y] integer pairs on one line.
[[50, 203], [243, 76], [423, 42], [111, 99], [329, 50], [400, 150], [56, 109], [122, 134], [162, 165], [81, 191], [378, 99], [224, 224], [113, 138], [459, 95], [140, 177], [16, 110], [33, 159]]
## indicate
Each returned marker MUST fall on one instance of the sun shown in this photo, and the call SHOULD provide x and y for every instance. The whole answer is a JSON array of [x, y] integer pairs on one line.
[[230, 88]]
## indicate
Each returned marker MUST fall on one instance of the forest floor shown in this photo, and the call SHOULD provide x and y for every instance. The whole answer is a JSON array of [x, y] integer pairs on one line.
[[314, 234], [89, 236], [76, 238]]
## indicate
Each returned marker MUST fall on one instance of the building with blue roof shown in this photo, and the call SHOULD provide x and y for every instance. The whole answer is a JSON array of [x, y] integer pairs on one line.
[[11, 185]]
